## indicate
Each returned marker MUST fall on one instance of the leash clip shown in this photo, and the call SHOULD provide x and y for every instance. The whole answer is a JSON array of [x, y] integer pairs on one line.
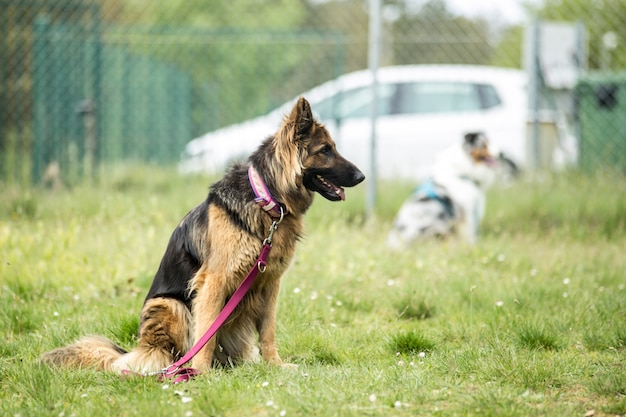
[[261, 265], [273, 227]]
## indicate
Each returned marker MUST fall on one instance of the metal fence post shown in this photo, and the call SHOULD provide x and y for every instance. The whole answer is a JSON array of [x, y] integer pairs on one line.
[[373, 60], [40, 49], [534, 96], [88, 110], [94, 149]]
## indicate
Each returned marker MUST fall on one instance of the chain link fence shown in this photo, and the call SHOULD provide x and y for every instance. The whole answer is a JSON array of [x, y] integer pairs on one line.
[[87, 84]]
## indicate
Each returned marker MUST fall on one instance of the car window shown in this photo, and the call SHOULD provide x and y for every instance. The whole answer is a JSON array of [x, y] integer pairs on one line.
[[355, 103], [488, 96], [444, 97]]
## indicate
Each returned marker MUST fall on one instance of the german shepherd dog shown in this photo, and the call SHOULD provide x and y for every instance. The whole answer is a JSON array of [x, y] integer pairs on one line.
[[214, 247]]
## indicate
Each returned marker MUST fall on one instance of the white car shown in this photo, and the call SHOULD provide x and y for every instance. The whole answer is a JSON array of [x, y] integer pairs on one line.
[[422, 110]]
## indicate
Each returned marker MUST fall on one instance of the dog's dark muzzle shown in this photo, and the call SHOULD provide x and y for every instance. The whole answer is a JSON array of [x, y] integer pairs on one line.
[[330, 183]]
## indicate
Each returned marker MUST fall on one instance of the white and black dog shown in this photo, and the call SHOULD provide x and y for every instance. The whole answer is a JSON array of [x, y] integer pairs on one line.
[[452, 201]]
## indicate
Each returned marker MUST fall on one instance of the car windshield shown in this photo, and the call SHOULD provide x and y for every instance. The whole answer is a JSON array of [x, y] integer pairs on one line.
[[409, 98], [355, 103], [444, 97]]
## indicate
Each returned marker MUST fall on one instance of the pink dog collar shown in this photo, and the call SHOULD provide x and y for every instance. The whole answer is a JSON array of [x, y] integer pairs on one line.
[[263, 196]]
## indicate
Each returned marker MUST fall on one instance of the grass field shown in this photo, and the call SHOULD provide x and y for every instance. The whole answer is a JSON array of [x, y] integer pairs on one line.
[[529, 322]]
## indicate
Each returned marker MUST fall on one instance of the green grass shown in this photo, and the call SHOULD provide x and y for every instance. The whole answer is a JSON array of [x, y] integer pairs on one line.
[[531, 321]]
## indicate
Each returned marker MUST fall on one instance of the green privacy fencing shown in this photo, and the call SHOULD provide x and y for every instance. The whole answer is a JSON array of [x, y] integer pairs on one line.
[[78, 94], [96, 102], [601, 109]]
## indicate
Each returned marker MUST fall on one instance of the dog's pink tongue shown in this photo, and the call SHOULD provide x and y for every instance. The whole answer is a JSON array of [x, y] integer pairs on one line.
[[341, 193]]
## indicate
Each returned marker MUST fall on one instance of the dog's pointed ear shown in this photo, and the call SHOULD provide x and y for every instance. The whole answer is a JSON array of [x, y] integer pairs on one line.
[[470, 138], [302, 116]]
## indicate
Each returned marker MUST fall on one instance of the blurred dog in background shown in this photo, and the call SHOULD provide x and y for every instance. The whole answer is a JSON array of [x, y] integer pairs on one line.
[[452, 201]]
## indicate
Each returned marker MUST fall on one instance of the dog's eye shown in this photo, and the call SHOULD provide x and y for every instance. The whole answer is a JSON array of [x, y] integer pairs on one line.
[[327, 149]]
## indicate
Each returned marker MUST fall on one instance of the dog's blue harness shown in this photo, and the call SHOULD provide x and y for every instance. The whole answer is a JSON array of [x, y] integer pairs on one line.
[[428, 191]]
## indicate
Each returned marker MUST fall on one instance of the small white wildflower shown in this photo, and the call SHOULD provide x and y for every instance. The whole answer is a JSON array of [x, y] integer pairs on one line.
[[499, 303], [400, 363], [165, 386], [329, 297], [296, 290], [333, 325], [422, 354], [76, 297], [83, 396], [566, 281], [186, 399], [55, 314], [412, 363], [339, 303], [397, 404], [501, 258], [314, 295], [282, 413], [565, 294], [391, 283], [265, 384], [533, 271], [189, 413], [269, 403], [372, 398]]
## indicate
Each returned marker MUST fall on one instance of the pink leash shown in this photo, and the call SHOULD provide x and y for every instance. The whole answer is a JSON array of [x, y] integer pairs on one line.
[[175, 370], [264, 199]]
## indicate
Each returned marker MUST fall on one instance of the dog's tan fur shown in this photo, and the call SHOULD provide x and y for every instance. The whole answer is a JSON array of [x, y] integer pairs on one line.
[[215, 246]]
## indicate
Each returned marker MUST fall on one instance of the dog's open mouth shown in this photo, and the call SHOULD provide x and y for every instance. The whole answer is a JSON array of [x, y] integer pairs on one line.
[[327, 188], [488, 159], [329, 183]]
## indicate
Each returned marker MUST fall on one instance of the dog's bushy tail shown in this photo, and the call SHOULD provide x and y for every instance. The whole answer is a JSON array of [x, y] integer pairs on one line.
[[90, 351]]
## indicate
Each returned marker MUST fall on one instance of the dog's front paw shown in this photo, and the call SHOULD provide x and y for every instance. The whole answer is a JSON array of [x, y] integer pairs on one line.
[[289, 366]]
